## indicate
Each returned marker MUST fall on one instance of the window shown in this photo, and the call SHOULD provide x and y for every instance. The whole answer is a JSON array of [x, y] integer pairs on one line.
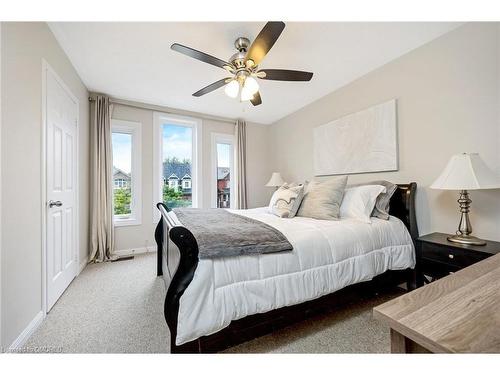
[[120, 182], [173, 184], [126, 145], [223, 170], [177, 152]]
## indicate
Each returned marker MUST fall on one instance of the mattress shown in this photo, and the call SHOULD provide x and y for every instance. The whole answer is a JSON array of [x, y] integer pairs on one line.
[[327, 256]]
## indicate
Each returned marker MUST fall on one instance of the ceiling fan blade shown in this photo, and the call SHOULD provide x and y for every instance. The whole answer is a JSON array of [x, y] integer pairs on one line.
[[263, 43], [202, 56], [284, 75], [256, 100], [212, 87]]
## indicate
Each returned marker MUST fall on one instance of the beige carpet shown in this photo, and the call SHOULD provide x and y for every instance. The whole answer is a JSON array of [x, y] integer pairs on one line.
[[118, 308]]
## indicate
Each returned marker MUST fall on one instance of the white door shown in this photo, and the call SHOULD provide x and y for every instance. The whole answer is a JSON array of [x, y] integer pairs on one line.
[[61, 258]]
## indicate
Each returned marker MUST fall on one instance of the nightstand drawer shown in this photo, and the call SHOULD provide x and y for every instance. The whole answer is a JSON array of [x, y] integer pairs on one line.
[[452, 256], [437, 269]]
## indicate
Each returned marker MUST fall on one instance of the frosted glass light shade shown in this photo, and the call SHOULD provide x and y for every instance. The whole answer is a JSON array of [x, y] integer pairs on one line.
[[466, 172], [251, 85], [246, 94], [275, 180], [232, 89]]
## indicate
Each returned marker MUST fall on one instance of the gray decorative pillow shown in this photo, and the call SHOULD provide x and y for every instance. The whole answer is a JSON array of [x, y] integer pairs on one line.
[[322, 199], [381, 209], [286, 200]]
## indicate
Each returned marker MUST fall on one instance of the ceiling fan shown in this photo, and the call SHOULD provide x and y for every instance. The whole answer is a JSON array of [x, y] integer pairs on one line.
[[244, 65]]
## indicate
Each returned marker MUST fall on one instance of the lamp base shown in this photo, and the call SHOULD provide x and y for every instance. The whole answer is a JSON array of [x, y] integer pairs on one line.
[[466, 240], [464, 228]]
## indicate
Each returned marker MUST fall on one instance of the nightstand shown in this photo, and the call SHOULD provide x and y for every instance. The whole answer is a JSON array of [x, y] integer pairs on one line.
[[437, 257]]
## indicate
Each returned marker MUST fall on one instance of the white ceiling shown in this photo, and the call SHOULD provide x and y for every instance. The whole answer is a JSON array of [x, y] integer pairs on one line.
[[134, 60]]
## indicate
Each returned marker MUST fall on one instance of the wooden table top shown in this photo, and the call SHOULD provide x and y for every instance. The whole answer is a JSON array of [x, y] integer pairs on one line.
[[459, 313]]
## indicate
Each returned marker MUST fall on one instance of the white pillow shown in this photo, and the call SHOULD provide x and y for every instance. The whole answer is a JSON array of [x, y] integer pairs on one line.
[[359, 201]]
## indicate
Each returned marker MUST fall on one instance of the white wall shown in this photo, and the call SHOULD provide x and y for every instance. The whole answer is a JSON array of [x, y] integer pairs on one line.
[[448, 102], [258, 171], [24, 45], [259, 165]]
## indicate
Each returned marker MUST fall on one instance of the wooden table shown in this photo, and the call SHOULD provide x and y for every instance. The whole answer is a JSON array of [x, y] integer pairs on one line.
[[459, 313]]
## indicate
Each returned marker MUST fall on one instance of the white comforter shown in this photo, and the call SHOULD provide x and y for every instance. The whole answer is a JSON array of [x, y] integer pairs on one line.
[[327, 256]]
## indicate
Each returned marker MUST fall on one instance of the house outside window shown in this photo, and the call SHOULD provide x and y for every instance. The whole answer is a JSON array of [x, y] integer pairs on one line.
[[173, 181], [223, 187], [186, 182], [121, 179]]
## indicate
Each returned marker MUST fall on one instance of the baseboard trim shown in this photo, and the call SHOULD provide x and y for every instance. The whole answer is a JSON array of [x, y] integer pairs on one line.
[[135, 250], [82, 265], [27, 332]]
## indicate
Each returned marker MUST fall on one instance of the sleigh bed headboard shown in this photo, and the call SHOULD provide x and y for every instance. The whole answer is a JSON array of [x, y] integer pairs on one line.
[[402, 206]]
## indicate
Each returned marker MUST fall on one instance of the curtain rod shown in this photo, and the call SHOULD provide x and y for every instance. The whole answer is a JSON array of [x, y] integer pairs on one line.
[[159, 108]]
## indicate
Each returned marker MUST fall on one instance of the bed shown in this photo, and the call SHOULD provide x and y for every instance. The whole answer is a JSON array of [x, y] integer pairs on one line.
[[212, 304]]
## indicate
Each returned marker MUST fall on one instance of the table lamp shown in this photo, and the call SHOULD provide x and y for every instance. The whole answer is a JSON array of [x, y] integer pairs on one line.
[[466, 172], [275, 180]]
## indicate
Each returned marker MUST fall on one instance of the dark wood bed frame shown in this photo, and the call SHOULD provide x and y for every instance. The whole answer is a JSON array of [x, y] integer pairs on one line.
[[185, 255]]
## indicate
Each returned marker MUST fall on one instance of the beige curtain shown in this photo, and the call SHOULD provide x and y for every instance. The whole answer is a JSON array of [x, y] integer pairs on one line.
[[101, 190], [241, 169]]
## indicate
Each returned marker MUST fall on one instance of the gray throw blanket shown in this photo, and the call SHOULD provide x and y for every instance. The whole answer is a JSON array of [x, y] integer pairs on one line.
[[220, 233]]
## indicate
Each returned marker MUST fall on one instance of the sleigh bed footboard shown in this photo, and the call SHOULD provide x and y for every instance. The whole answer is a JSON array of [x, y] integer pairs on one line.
[[178, 247]]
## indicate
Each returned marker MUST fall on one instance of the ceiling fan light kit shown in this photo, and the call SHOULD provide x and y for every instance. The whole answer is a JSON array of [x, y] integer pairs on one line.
[[251, 85], [246, 94], [232, 89], [244, 65]]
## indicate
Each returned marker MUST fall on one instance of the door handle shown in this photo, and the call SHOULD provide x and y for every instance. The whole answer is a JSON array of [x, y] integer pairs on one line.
[[55, 203]]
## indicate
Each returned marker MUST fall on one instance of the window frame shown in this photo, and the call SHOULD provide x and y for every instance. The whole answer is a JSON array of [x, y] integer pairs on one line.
[[229, 139], [134, 129], [159, 118]]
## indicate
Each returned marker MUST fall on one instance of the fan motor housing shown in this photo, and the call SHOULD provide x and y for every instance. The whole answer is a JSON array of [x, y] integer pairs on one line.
[[242, 44], [238, 59]]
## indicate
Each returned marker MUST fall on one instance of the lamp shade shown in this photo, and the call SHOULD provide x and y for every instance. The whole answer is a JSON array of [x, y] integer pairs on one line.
[[275, 180], [466, 172]]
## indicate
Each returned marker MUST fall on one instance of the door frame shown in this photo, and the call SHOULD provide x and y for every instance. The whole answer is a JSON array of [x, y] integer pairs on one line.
[[46, 69]]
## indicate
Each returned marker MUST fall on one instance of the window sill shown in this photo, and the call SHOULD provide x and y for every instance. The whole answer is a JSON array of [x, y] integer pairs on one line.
[[126, 222]]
